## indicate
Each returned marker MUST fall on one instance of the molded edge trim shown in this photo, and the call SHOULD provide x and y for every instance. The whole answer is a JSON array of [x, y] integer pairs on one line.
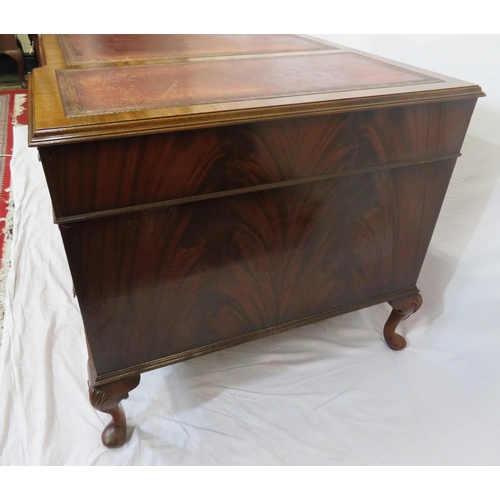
[[147, 126], [250, 189]]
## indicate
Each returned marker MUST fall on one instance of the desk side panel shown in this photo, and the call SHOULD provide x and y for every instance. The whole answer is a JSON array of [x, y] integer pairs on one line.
[[155, 283]]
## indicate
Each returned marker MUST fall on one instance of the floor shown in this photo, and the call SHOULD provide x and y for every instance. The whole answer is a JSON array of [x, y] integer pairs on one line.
[[9, 82]]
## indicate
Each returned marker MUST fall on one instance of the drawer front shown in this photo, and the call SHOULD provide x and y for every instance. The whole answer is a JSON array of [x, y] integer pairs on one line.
[[122, 174], [155, 283], [413, 133]]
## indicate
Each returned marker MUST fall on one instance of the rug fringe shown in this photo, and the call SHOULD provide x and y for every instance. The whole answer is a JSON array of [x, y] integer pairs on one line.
[[19, 101], [5, 265]]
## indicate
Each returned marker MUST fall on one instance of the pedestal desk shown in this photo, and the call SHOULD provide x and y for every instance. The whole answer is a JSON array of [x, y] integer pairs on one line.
[[214, 189]]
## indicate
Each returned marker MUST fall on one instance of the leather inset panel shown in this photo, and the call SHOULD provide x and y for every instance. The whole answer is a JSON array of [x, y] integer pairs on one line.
[[119, 89]]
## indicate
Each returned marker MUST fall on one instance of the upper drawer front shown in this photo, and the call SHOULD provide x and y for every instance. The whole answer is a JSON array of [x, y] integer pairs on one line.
[[413, 133], [85, 178]]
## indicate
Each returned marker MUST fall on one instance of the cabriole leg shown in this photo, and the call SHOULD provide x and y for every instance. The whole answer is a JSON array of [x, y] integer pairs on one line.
[[107, 398], [401, 309]]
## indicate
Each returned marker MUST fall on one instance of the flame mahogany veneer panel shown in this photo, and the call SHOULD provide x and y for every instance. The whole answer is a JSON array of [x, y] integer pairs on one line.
[[130, 172], [155, 283]]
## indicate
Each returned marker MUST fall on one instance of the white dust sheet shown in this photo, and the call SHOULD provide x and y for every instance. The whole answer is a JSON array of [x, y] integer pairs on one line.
[[331, 393]]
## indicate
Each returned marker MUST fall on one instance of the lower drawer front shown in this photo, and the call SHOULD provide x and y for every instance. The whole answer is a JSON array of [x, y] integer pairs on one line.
[[158, 282]]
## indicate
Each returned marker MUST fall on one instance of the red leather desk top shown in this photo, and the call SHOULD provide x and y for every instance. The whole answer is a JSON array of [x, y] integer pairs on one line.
[[103, 86], [123, 88]]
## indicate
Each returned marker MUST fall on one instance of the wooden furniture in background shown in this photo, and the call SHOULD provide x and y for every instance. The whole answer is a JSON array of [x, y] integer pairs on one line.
[[211, 190], [9, 46], [33, 38]]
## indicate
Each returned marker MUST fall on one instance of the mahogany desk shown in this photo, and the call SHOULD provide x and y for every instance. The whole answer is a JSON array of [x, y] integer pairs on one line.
[[211, 190]]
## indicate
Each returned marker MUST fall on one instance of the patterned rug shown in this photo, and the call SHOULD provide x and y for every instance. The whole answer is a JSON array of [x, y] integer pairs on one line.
[[5, 147], [12, 113]]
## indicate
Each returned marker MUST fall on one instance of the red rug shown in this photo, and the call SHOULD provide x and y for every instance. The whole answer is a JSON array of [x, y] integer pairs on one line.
[[13, 111]]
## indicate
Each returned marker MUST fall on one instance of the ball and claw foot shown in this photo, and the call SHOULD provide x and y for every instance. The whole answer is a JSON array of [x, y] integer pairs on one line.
[[401, 309], [107, 398]]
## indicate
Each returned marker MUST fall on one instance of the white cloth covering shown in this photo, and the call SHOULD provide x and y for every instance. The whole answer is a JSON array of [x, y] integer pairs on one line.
[[330, 393]]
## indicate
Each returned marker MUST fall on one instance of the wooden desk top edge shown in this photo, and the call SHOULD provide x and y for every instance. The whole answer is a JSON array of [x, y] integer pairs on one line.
[[49, 125]]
